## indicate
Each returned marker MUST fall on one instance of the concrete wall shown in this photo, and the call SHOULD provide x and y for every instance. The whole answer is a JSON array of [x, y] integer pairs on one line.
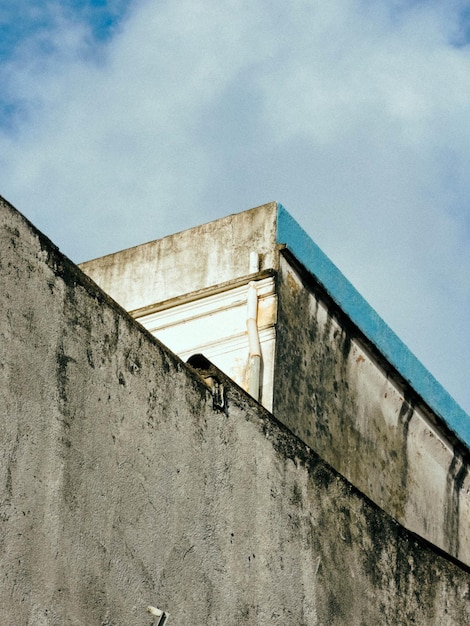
[[183, 263], [121, 486], [351, 404], [355, 413]]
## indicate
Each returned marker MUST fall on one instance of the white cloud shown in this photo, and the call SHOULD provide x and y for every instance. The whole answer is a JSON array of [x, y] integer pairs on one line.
[[353, 114]]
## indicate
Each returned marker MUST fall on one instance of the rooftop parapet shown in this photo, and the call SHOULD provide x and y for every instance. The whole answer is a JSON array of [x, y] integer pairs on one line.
[[380, 335]]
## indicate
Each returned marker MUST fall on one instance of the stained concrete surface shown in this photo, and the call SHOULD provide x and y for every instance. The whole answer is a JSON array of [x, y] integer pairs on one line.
[[334, 385], [185, 262], [122, 486], [358, 417]]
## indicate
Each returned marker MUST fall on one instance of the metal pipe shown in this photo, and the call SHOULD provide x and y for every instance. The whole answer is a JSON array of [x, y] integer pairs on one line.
[[253, 340]]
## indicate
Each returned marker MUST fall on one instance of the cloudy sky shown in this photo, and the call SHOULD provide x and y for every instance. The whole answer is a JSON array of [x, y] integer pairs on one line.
[[122, 121]]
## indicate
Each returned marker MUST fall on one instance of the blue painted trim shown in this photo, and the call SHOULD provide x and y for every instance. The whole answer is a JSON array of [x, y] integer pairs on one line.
[[290, 233]]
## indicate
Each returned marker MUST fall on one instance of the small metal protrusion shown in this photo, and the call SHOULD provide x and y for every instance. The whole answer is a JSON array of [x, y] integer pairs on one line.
[[162, 616], [218, 395], [209, 374]]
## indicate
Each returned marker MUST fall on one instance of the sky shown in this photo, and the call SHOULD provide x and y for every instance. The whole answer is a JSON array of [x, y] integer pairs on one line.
[[122, 121]]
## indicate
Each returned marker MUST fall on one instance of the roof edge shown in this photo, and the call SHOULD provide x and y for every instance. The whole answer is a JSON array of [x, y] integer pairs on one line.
[[338, 287]]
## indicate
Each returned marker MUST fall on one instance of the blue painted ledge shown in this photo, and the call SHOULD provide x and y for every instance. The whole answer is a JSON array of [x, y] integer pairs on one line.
[[374, 328]]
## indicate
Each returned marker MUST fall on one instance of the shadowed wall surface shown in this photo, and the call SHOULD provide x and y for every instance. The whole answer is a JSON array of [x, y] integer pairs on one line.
[[357, 415]]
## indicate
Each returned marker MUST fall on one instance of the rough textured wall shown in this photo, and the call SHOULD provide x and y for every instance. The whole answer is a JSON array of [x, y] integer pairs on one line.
[[121, 486], [359, 419], [188, 261]]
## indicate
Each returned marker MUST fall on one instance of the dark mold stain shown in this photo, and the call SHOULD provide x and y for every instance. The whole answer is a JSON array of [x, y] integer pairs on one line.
[[89, 356], [455, 478], [63, 361], [401, 456], [133, 364], [296, 497]]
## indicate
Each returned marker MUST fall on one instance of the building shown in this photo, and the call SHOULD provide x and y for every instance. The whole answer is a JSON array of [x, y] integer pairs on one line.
[[362, 401], [129, 478]]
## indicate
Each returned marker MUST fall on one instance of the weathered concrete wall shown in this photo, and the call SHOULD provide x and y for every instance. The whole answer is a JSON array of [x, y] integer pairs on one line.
[[188, 261], [121, 486], [355, 409], [359, 418]]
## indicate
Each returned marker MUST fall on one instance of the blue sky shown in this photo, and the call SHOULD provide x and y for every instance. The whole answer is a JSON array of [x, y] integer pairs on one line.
[[25, 19], [123, 121]]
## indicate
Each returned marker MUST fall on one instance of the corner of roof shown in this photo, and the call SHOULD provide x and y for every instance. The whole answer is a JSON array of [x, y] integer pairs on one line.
[[372, 326]]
